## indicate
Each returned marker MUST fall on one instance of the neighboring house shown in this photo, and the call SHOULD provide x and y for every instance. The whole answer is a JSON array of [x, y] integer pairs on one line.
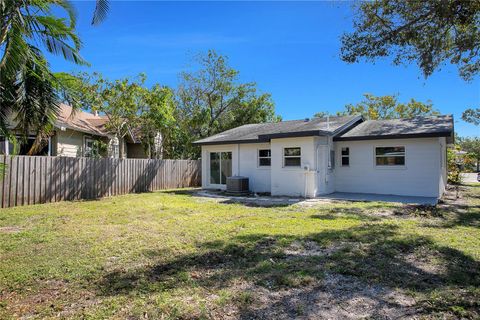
[[75, 135], [323, 155]]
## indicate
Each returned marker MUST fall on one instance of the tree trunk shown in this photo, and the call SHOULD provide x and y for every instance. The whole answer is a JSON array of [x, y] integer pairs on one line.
[[121, 150], [149, 150]]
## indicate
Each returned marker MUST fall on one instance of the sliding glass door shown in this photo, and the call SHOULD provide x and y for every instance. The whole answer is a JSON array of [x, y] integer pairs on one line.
[[220, 167]]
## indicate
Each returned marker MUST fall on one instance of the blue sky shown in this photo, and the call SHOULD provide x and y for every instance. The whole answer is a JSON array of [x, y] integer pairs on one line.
[[291, 49]]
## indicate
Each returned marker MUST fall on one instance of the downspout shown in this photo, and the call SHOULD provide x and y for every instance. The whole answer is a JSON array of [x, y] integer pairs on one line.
[[317, 169], [238, 159], [305, 186]]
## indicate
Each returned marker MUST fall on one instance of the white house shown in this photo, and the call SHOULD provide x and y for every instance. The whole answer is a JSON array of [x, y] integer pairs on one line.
[[314, 157]]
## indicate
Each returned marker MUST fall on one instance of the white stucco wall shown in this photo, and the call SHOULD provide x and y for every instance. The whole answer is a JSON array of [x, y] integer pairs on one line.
[[443, 165], [419, 177], [277, 179], [259, 177], [424, 173], [292, 181], [244, 163]]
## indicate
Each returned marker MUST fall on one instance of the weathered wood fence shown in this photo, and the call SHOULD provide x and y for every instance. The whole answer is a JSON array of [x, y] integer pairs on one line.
[[31, 180]]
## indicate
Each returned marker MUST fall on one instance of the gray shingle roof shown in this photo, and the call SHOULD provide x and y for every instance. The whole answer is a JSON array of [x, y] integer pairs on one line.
[[429, 126], [294, 128]]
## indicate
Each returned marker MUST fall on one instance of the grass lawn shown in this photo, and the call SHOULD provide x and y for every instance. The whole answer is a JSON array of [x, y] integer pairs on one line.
[[173, 255]]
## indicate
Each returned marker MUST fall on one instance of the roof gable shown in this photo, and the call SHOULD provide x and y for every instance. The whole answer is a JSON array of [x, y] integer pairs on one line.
[[81, 121]]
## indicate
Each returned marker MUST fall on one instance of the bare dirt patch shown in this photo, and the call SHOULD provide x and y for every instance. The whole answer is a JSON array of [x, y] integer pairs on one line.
[[312, 249], [55, 295], [335, 297], [10, 229]]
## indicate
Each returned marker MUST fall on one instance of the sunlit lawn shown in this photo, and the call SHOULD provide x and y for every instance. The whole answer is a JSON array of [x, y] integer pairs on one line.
[[171, 255]]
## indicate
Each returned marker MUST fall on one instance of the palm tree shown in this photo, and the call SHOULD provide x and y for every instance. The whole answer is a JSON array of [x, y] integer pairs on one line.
[[28, 89], [27, 86]]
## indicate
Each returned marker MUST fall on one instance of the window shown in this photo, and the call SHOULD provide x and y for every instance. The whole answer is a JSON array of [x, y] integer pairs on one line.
[[264, 158], [390, 156], [220, 167], [89, 147], [292, 157], [345, 157]]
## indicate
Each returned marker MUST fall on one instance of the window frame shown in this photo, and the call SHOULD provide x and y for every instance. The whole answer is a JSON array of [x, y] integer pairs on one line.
[[284, 157], [85, 140], [390, 166], [263, 157], [347, 156]]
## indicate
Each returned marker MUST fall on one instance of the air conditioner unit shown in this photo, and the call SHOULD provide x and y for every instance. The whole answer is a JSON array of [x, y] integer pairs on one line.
[[237, 185]]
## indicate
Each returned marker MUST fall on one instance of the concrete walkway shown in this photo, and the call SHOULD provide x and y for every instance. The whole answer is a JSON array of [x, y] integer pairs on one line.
[[469, 177], [380, 197]]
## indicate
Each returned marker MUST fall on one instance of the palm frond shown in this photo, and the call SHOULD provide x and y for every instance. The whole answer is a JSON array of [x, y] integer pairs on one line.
[[100, 13], [71, 11]]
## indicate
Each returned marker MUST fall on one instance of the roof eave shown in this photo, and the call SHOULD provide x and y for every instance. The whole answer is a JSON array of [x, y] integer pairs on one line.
[[209, 143], [395, 136]]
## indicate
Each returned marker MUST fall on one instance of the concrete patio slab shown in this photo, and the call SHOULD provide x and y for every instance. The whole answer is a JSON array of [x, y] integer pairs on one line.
[[380, 197], [336, 196]]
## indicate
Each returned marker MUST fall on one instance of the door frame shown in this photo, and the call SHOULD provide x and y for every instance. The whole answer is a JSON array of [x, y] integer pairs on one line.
[[323, 151], [217, 185]]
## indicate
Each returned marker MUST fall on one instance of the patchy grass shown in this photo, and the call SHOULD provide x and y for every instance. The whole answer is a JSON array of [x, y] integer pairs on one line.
[[171, 255]]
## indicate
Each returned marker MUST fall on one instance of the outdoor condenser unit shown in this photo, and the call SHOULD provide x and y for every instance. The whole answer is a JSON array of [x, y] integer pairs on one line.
[[237, 185]]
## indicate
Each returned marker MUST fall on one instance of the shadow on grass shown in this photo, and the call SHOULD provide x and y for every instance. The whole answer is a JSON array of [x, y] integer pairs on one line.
[[372, 253]]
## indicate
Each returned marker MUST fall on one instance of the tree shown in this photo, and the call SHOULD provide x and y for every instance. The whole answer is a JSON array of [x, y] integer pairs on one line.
[[156, 121], [212, 100], [388, 107], [27, 87], [119, 100], [472, 147], [472, 116], [322, 114], [129, 106], [429, 32]]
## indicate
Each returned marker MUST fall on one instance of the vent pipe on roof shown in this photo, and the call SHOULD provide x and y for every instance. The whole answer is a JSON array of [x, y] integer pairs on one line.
[[95, 113]]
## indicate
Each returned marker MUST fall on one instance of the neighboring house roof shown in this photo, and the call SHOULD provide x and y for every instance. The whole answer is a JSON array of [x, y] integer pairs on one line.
[[428, 126], [262, 132], [87, 122], [81, 121]]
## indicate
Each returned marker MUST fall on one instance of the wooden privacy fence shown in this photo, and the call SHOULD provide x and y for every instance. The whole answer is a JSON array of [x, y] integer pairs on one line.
[[31, 180]]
